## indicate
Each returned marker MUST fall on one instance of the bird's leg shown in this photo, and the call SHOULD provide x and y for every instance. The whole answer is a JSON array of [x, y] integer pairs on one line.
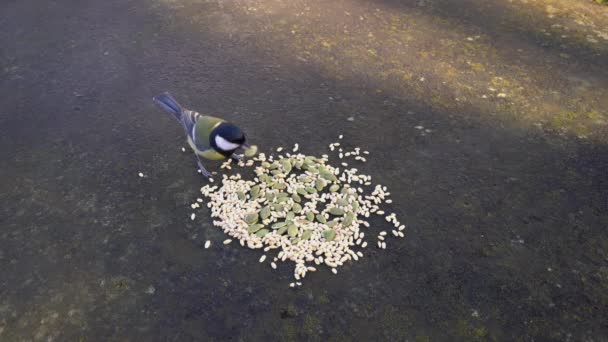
[[201, 167], [237, 158]]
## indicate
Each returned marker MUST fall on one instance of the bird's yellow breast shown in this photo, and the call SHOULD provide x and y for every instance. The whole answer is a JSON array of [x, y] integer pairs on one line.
[[207, 154]]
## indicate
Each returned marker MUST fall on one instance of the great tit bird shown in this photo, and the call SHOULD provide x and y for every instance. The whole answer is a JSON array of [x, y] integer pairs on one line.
[[209, 137]]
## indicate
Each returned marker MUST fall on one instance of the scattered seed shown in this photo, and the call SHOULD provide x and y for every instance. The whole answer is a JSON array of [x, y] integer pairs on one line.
[[262, 258], [207, 244], [275, 202], [227, 241]]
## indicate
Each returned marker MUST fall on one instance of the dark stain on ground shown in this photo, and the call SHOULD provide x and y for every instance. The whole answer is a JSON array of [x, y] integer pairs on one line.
[[506, 224]]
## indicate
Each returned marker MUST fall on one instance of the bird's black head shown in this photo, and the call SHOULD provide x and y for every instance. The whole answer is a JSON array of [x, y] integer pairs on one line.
[[226, 138]]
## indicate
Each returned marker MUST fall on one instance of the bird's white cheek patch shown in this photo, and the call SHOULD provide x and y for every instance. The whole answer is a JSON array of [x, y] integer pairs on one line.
[[224, 144]]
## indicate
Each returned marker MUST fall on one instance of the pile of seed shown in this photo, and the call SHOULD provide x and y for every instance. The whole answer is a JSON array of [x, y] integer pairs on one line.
[[310, 211]]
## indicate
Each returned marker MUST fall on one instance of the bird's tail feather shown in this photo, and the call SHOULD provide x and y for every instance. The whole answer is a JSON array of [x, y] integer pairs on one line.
[[168, 103]]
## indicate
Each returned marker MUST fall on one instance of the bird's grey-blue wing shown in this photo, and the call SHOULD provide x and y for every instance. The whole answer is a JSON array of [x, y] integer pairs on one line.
[[189, 120]]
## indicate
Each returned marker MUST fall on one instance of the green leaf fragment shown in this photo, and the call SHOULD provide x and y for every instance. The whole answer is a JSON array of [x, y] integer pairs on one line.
[[306, 234], [310, 216], [348, 219], [262, 232], [251, 218], [277, 207], [305, 179], [342, 202], [296, 208], [278, 225], [321, 218], [320, 184], [251, 151], [281, 230], [265, 213], [292, 230], [329, 176], [255, 227], [286, 166], [296, 198], [336, 211], [254, 192], [329, 234]]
